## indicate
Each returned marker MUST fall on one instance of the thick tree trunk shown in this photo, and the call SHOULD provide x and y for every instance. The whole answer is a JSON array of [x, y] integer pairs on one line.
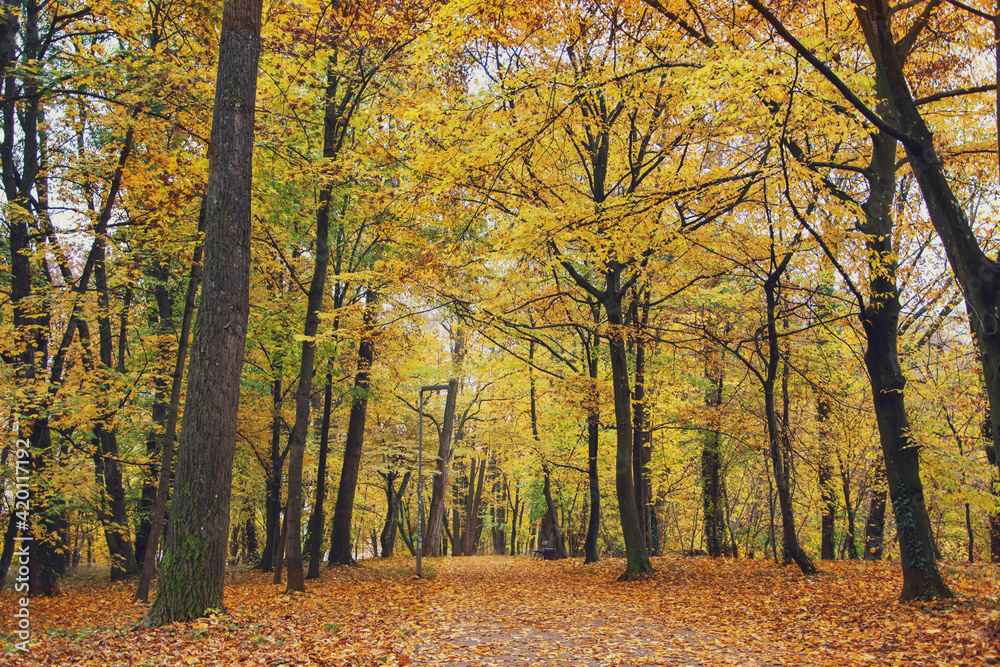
[[435, 514], [340, 537], [195, 553]]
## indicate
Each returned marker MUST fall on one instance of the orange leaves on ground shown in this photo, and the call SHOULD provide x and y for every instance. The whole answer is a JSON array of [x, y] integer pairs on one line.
[[505, 612], [350, 617]]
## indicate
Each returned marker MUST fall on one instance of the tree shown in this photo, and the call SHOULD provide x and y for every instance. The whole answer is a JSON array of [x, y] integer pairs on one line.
[[898, 118], [194, 558], [341, 541], [435, 513]]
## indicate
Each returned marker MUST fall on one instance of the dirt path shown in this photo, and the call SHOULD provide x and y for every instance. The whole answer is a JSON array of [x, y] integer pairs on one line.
[[511, 612]]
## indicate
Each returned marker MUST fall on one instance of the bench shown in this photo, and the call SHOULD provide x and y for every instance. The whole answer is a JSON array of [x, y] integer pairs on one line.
[[545, 553]]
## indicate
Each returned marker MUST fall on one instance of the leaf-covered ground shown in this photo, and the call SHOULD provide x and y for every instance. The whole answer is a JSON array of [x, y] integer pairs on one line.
[[503, 611]]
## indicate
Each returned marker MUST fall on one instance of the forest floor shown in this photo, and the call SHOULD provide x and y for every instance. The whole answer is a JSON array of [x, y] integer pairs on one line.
[[512, 611]]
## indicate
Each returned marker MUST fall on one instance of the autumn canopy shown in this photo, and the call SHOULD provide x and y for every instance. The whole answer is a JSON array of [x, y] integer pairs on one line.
[[664, 278]]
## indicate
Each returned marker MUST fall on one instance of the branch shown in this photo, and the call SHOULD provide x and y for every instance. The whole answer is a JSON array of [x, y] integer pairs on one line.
[[828, 74], [945, 94]]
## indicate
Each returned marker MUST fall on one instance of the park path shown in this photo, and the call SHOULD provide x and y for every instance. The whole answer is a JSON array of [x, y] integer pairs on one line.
[[508, 612]]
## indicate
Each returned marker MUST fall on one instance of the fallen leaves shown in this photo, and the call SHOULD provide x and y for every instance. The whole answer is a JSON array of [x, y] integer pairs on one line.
[[506, 611]]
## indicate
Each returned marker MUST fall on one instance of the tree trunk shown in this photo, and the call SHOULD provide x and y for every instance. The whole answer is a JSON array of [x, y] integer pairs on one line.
[[195, 554], [8, 548], [551, 519], [849, 545], [394, 504], [249, 539], [173, 412], [111, 511], [279, 549], [880, 320], [473, 506], [318, 519], [637, 558], [272, 492], [161, 320], [777, 436], [641, 435], [407, 533], [711, 468], [828, 498], [515, 519], [340, 537], [593, 485], [435, 514], [994, 528], [498, 513], [333, 128]]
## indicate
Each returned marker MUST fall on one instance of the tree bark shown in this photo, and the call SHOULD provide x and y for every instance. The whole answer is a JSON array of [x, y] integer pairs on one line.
[[340, 537], [711, 467], [828, 498], [435, 514], [875, 521], [173, 412], [777, 435], [849, 545], [317, 520], [394, 504], [642, 437], [272, 492], [880, 320], [552, 517], [636, 556], [473, 506], [194, 559], [590, 341]]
